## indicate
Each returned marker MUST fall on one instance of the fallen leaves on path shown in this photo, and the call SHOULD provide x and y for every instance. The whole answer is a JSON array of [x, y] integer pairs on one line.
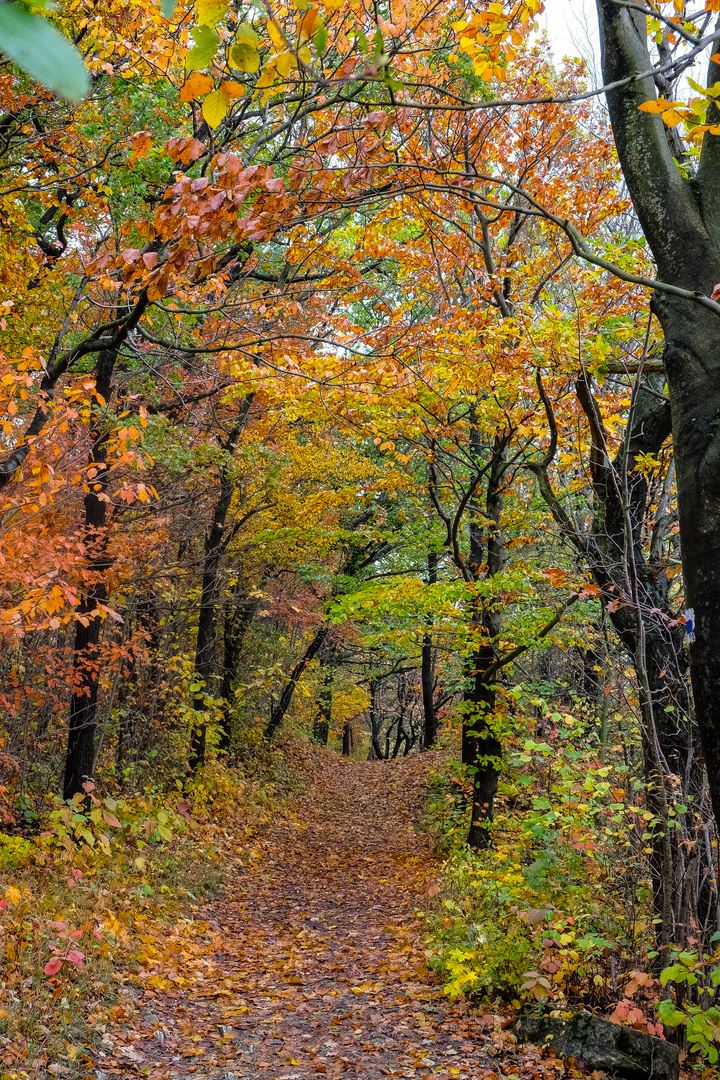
[[312, 962]]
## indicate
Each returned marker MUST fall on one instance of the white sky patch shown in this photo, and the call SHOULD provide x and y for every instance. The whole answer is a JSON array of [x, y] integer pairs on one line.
[[572, 30], [571, 27]]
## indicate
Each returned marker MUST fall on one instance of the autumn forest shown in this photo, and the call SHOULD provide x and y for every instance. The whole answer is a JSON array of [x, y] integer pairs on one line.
[[359, 540]]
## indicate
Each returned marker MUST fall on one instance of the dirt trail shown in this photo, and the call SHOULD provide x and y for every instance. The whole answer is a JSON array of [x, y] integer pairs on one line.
[[312, 963]]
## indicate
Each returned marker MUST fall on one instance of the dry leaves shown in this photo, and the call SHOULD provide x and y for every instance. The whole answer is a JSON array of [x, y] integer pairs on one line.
[[312, 963]]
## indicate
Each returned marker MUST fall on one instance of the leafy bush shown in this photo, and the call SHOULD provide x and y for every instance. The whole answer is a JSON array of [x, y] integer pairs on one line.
[[541, 913], [15, 852], [701, 1021]]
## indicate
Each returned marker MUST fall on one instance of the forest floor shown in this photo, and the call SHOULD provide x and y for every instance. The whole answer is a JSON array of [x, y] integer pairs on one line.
[[311, 961]]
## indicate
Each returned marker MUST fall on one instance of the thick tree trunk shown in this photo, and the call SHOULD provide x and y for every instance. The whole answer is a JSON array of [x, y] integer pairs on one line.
[[635, 594], [80, 756], [681, 220], [348, 739], [692, 359], [680, 217], [481, 749]]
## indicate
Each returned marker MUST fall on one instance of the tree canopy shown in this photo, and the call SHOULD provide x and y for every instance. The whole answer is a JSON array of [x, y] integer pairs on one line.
[[360, 378]]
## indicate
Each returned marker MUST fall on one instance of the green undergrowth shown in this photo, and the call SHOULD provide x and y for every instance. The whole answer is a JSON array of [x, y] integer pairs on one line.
[[557, 914], [107, 874], [558, 909]]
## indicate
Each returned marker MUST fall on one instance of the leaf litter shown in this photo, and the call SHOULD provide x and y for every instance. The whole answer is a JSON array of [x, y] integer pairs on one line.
[[311, 962]]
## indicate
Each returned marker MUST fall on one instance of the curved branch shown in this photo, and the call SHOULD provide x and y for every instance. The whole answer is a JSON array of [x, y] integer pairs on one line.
[[57, 368]]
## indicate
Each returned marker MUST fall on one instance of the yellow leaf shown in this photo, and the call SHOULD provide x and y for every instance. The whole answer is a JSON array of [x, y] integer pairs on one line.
[[284, 61], [210, 12], [244, 57], [267, 78], [214, 108], [13, 895], [276, 35], [245, 34], [197, 85]]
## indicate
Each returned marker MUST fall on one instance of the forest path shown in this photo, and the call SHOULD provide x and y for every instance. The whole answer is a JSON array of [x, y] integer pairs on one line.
[[312, 962]]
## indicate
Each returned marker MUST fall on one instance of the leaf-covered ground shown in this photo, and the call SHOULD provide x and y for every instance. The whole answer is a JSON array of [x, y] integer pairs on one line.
[[312, 961]]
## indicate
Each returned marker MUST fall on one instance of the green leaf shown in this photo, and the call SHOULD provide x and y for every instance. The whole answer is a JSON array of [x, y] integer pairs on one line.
[[244, 57], [42, 52], [206, 43], [321, 39], [246, 35], [677, 973], [669, 1015], [168, 8]]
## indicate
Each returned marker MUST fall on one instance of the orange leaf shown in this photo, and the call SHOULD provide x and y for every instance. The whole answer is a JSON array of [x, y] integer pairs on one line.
[[232, 89], [658, 106], [309, 24], [196, 85], [672, 118], [141, 144]]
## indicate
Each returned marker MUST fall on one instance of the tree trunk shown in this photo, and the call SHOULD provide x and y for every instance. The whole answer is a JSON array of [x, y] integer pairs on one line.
[[278, 713], [481, 749], [348, 739], [680, 217], [428, 670], [681, 221], [239, 613], [375, 722], [321, 727], [635, 596], [215, 543], [80, 757]]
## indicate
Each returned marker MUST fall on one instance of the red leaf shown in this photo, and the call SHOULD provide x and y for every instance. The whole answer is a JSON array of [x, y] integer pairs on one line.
[[53, 966]]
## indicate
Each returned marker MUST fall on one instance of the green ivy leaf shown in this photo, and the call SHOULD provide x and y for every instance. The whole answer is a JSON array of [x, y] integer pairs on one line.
[[32, 43]]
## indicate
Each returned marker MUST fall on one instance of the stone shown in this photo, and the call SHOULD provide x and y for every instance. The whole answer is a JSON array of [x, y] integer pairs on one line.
[[621, 1052]]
